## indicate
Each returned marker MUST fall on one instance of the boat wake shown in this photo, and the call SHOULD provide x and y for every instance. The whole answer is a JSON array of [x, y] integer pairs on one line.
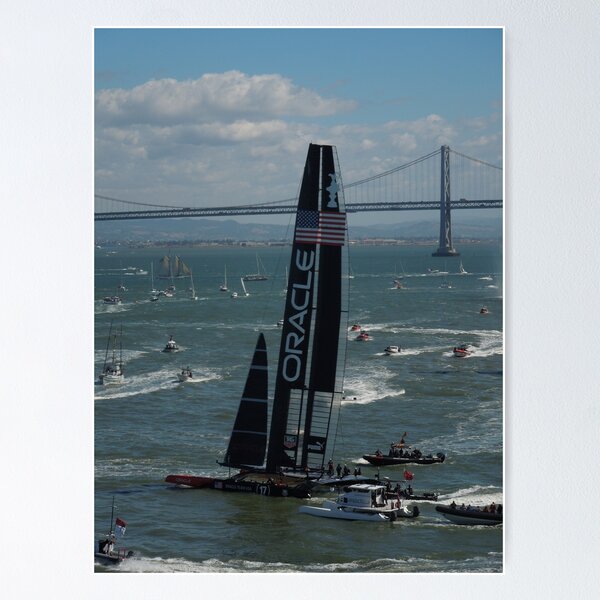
[[490, 562], [135, 385], [476, 495], [361, 391]]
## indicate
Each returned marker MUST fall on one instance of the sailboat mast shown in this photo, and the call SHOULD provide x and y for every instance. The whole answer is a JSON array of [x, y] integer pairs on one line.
[[112, 515], [107, 347]]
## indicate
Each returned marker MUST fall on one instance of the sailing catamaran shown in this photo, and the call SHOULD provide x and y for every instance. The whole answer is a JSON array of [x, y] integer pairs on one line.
[[112, 372], [309, 383]]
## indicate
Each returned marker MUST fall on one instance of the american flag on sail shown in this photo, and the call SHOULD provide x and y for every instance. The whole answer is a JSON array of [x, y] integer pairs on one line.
[[320, 227]]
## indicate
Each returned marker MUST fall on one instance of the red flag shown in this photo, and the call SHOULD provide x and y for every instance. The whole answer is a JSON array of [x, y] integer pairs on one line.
[[120, 525], [408, 475]]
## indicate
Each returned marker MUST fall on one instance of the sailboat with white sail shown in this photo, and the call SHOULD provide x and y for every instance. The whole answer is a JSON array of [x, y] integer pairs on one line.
[[193, 295], [112, 371], [223, 287], [310, 372], [259, 275]]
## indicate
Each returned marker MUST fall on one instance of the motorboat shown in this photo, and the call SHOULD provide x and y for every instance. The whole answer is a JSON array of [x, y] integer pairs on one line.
[[446, 285], [171, 345], [112, 371], [486, 278], [234, 294], [484, 310], [404, 457], [461, 351], [398, 285], [363, 336], [392, 350], [471, 515], [112, 300], [107, 552], [362, 502], [185, 375], [355, 327]]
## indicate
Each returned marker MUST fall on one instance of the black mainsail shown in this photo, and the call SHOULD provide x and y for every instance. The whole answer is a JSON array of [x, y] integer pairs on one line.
[[312, 353], [248, 442]]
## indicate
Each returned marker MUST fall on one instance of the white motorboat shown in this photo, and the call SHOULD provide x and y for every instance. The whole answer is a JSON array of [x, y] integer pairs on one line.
[[185, 375], [392, 350], [362, 502], [171, 345], [234, 294], [112, 300], [112, 371]]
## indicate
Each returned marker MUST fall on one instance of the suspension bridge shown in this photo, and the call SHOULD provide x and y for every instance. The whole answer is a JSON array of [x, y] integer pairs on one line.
[[426, 183]]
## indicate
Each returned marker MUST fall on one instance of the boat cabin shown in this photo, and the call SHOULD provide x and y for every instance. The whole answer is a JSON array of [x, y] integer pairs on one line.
[[363, 495]]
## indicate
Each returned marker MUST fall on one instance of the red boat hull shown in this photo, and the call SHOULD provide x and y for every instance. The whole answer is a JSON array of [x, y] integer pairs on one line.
[[190, 480]]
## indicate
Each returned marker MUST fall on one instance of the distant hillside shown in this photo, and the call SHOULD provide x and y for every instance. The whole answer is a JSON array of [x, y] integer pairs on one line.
[[201, 229]]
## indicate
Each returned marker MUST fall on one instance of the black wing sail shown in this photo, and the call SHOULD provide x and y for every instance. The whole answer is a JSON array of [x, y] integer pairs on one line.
[[248, 442], [308, 388]]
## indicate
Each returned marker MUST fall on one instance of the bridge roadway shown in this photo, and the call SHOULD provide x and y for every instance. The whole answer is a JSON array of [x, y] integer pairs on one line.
[[223, 211]]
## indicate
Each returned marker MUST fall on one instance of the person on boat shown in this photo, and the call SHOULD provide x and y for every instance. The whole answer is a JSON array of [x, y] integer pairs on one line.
[[338, 470], [355, 472], [452, 504], [463, 507], [409, 489], [330, 468], [499, 509], [109, 544], [346, 471], [378, 452]]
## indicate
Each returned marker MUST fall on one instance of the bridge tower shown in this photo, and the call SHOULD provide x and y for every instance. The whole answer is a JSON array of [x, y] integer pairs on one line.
[[445, 248]]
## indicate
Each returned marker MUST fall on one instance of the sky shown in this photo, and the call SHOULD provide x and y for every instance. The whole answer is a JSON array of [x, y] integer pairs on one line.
[[210, 117]]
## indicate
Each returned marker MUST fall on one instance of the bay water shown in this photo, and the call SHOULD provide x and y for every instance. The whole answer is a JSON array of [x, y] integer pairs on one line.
[[153, 425]]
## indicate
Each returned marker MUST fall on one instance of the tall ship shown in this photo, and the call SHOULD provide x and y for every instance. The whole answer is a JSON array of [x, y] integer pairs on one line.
[[171, 267], [290, 457]]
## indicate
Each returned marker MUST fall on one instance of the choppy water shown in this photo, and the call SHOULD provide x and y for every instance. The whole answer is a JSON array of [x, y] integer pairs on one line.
[[152, 425]]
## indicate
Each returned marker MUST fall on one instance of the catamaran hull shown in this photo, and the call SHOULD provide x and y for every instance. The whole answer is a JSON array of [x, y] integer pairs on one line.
[[380, 461], [262, 488], [469, 517]]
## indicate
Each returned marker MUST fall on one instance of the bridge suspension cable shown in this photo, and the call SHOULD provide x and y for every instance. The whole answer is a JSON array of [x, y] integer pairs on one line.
[[411, 186]]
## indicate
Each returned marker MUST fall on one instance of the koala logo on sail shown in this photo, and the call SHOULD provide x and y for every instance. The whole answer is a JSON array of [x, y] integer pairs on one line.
[[333, 190]]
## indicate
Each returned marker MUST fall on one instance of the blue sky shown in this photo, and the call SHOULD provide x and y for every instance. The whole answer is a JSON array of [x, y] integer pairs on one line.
[[210, 116]]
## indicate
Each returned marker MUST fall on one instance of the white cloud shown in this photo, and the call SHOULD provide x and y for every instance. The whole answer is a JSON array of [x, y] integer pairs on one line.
[[231, 138], [214, 96]]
